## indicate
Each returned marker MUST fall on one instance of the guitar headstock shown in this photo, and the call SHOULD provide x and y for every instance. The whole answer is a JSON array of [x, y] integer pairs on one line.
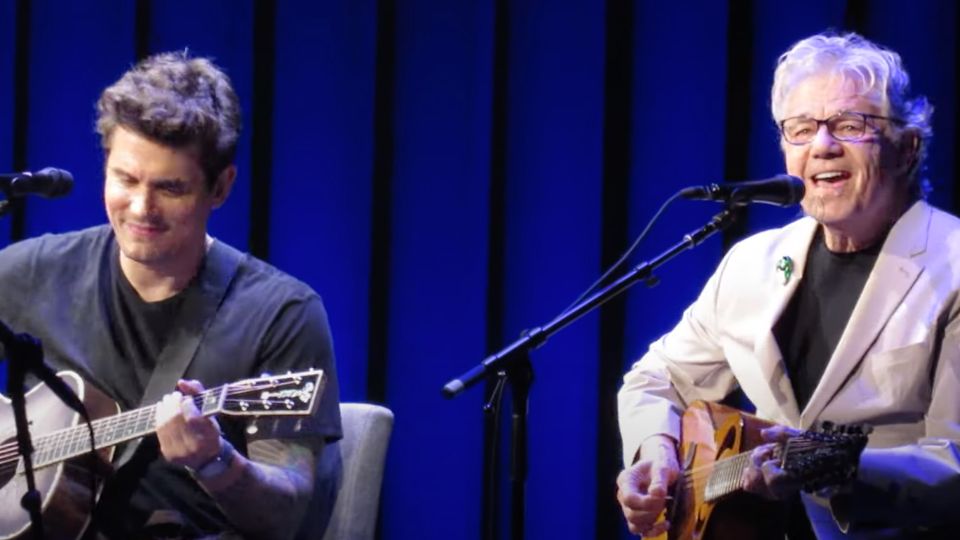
[[269, 395], [826, 457]]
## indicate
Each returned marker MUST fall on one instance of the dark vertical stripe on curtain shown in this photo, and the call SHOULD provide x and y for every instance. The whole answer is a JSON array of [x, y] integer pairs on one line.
[[261, 135], [956, 140], [8, 25], [141, 29], [739, 71], [616, 178], [497, 234], [383, 151], [21, 107], [855, 16]]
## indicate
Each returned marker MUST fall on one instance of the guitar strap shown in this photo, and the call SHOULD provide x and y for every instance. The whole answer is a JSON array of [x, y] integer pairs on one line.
[[197, 313]]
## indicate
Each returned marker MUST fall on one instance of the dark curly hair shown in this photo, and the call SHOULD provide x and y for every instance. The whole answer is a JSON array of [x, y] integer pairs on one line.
[[178, 101]]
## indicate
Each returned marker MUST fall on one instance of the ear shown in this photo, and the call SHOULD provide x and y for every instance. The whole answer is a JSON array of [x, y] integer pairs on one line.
[[223, 185], [909, 149]]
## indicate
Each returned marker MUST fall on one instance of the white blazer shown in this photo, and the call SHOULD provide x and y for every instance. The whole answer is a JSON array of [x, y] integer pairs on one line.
[[896, 367]]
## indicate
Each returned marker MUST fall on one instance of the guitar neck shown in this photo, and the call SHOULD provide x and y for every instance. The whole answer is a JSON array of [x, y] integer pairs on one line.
[[817, 459], [67, 443], [74, 441], [726, 476], [292, 394]]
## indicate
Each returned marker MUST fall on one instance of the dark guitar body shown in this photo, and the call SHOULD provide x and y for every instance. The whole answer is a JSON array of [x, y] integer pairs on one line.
[[712, 432], [64, 487]]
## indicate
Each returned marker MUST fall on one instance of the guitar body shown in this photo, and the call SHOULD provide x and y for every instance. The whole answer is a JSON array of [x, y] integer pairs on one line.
[[712, 432], [61, 457], [64, 487]]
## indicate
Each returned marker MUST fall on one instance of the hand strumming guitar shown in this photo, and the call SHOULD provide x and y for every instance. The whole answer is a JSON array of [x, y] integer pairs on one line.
[[643, 487], [764, 476]]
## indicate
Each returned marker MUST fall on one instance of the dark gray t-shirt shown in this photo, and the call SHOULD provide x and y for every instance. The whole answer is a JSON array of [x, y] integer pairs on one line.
[[67, 290], [812, 323]]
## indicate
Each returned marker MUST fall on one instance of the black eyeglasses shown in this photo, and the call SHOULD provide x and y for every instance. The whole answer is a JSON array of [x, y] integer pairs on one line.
[[844, 126]]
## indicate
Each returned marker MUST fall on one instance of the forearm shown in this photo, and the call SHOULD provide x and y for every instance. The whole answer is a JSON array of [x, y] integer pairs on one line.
[[687, 363], [265, 495], [904, 486], [648, 404]]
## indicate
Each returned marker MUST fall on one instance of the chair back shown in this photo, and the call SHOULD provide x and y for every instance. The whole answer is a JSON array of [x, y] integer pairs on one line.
[[350, 472]]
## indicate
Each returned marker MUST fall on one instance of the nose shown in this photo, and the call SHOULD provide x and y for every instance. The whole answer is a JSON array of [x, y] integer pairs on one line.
[[142, 203], [824, 145]]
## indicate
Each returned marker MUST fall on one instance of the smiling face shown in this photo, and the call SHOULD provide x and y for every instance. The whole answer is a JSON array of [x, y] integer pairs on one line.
[[158, 203], [855, 189]]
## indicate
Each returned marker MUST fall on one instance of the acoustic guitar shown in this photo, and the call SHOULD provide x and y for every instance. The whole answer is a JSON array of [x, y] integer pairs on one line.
[[61, 441], [708, 501]]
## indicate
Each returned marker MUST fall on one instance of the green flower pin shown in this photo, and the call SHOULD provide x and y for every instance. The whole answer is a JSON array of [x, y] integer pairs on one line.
[[785, 265]]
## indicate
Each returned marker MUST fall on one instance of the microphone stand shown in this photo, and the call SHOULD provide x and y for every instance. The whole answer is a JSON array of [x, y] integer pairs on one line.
[[23, 351], [5, 206], [512, 363]]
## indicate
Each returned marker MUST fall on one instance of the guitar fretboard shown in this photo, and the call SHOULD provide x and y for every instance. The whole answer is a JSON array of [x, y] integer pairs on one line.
[[726, 476], [74, 441], [292, 394]]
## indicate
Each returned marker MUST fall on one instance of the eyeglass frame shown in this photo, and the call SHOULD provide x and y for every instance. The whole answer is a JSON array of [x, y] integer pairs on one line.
[[864, 116]]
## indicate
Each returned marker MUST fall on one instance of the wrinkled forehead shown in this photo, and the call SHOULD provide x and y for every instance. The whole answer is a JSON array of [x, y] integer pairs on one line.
[[830, 90]]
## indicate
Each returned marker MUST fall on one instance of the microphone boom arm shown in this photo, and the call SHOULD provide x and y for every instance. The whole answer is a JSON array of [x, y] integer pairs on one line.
[[512, 364], [537, 336]]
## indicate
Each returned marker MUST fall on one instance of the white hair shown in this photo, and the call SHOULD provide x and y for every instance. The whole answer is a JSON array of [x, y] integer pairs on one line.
[[874, 69]]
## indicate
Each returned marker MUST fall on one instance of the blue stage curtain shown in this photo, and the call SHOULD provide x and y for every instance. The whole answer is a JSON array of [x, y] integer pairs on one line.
[[448, 174]]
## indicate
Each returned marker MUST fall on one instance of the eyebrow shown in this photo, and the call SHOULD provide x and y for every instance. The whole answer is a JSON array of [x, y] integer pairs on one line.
[[842, 111], [119, 172], [163, 182], [166, 183]]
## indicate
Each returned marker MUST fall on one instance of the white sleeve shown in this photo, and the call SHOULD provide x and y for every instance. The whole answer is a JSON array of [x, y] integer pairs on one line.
[[687, 363]]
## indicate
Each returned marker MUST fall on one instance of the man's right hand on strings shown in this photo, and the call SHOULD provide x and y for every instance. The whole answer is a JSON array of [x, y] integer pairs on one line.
[[642, 488]]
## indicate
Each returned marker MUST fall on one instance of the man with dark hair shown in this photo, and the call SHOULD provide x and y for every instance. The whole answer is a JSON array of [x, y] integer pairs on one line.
[[119, 304]]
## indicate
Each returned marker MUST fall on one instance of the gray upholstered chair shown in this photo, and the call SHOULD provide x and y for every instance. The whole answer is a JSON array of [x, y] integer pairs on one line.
[[350, 473]]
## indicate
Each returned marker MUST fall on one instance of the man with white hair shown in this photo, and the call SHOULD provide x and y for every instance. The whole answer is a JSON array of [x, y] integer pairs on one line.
[[850, 314]]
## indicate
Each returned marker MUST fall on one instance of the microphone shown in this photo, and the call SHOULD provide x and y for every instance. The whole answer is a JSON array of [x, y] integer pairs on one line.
[[48, 182], [781, 190]]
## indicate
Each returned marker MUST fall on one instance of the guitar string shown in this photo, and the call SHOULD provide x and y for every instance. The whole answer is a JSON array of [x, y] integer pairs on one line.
[[796, 446], [131, 417], [735, 464], [10, 454], [139, 415]]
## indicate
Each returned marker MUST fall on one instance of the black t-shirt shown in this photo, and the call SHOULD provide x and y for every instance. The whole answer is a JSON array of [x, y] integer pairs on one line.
[[140, 330], [813, 321], [64, 289]]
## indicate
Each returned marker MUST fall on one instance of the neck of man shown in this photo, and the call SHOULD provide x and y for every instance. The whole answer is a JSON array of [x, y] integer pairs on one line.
[[158, 281], [848, 238]]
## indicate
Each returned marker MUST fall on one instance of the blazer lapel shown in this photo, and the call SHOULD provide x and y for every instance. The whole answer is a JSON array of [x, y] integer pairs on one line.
[[766, 349], [894, 273]]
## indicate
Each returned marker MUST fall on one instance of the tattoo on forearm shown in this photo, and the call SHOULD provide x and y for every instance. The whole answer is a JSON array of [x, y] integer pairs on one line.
[[269, 499]]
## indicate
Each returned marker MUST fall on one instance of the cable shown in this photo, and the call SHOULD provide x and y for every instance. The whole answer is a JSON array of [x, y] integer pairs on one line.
[[626, 255]]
